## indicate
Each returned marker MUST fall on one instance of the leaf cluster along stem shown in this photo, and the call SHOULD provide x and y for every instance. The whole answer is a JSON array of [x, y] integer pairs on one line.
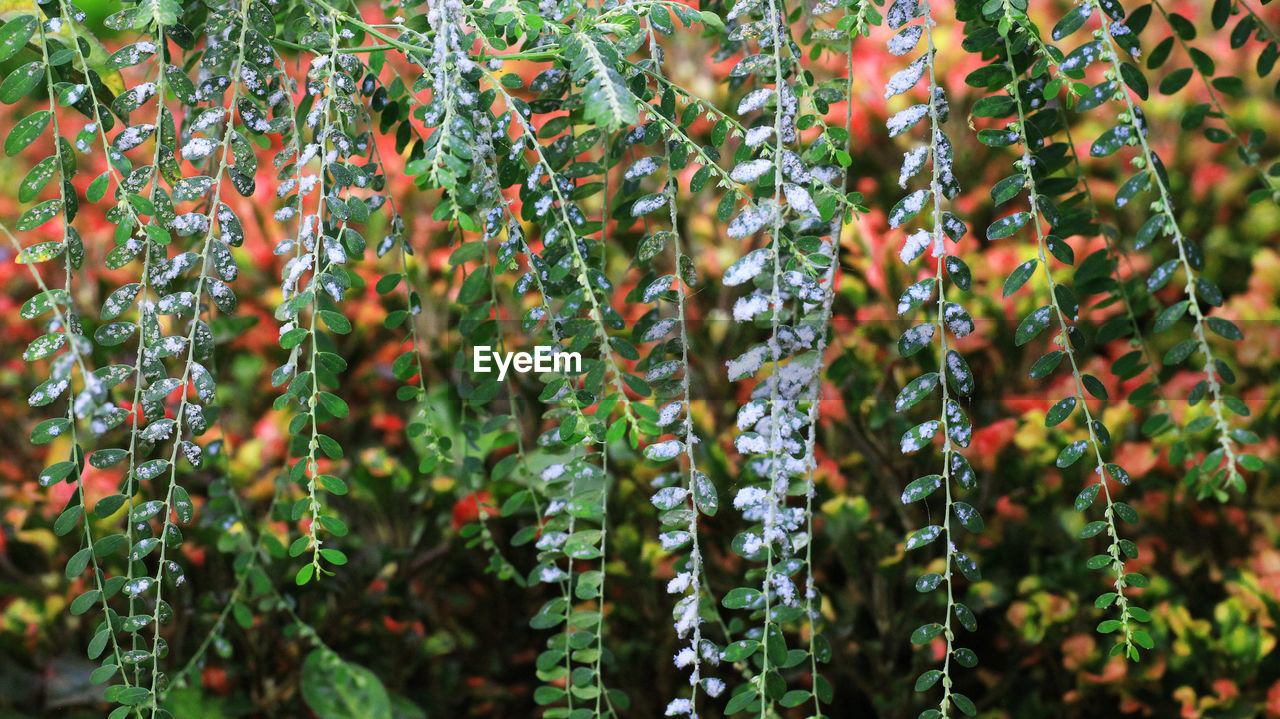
[[948, 509], [1065, 341], [1249, 156], [72, 347], [1164, 205], [580, 264], [180, 414]]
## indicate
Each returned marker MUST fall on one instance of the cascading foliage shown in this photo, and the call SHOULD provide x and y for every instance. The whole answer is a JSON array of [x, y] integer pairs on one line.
[[578, 177]]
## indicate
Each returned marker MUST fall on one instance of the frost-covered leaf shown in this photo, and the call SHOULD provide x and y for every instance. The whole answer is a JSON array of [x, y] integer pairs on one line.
[[747, 267], [916, 390], [903, 80]]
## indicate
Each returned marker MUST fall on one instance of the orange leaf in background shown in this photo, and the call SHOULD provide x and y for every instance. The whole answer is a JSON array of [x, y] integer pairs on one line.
[[1273, 701], [467, 509], [988, 441]]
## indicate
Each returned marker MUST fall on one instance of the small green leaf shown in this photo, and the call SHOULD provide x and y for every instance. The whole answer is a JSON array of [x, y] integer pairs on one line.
[[1131, 187], [742, 598], [332, 484], [333, 404], [1174, 81], [44, 346], [916, 390], [1007, 189], [1032, 325], [739, 650], [68, 520], [336, 689], [926, 681], [21, 81], [85, 602], [1059, 412], [14, 35], [335, 321], [795, 697], [1125, 512], [55, 473], [1019, 277], [924, 536], [1092, 529], [1225, 328], [1046, 364], [38, 215], [1134, 78], [1006, 226], [25, 131], [48, 430], [921, 487], [1071, 453], [959, 272], [1171, 314], [968, 516], [1071, 21], [926, 633], [1111, 140], [966, 657]]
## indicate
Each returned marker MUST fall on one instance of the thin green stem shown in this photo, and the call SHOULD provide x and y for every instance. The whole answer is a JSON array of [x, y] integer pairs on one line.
[[773, 467], [936, 240], [1065, 342]]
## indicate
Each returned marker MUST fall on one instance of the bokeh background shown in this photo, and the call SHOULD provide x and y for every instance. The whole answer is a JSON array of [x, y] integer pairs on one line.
[[448, 639]]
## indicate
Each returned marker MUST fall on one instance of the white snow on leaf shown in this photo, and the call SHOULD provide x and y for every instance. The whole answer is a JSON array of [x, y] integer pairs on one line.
[[669, 413], [750, 171], [800, 199], [747, 267], [643, 167], [757, 135], [920, 334], [903, 120], [958, 321], [748, 307], [794, 168], [643, 206], [919, 436], [912, 161], [906, 78], [749, 497], [663, 450], [752, 218], [902, 12], [751, 443], [907, 208], [669, 497], [750, 413], [754, 100], [906, 40], [679, 707], [917, 293], [748, 363], [198, 148], [914, 246]]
